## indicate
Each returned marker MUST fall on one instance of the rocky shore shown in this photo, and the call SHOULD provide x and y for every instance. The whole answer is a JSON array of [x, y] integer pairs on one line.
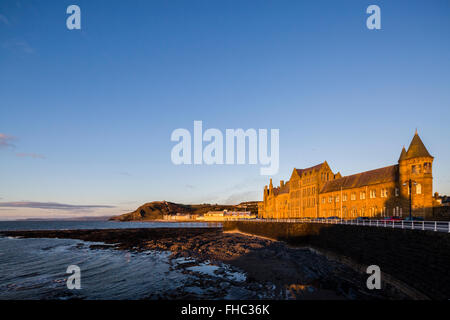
[[254, 267]]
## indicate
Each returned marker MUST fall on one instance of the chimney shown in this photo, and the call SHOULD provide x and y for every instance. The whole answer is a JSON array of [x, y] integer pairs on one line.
[[281, 183]]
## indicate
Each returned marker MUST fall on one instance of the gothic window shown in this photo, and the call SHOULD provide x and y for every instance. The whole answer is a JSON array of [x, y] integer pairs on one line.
[[427, 167], [396, 192]]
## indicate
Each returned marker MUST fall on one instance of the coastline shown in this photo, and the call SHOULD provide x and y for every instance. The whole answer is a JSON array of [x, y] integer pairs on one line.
[[293, 273]]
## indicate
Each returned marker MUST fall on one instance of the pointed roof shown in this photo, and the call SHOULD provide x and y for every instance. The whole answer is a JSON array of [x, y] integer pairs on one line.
[[403, 154], [416, 149]]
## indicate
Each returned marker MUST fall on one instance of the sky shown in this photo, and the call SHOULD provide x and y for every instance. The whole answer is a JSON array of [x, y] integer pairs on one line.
[[86, 115]]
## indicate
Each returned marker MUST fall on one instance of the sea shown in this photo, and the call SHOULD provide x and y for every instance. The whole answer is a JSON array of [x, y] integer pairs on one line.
[[36, 269]]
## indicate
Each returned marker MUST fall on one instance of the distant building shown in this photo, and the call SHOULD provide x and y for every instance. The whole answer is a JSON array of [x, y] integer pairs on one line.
[[318, 192], [179, 217], [226, 215], [442, 200]]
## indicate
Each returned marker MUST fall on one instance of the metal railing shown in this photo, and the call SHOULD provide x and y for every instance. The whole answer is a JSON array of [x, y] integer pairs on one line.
[[438, 226]]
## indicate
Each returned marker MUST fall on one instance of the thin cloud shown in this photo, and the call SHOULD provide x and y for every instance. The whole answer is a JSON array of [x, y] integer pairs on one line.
[[18, 46], [30, 155], [5, 140], [52, 206], [237, 198], [4, 19]]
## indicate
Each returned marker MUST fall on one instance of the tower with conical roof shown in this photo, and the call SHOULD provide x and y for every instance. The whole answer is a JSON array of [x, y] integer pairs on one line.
[[415, 164]]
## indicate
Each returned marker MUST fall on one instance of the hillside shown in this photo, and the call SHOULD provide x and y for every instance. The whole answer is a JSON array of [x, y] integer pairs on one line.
[[156, 209]]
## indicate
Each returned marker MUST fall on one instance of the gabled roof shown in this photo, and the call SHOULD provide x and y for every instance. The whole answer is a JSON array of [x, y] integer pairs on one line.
[[314, 168], [386, 174], [416, 149]]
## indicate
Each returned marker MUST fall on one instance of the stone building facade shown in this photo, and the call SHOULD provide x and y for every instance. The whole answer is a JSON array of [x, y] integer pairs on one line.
[[319, 192]]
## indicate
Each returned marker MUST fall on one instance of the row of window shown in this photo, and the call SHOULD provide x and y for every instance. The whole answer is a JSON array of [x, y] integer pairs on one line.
[[309, 203], [383, 193], [417, 168], [325, 176], [305, 192], [355, 212], [372, 194]]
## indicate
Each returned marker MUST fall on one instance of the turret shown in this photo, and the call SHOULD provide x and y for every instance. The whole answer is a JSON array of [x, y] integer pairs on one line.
[[402, 154], [416, 164]]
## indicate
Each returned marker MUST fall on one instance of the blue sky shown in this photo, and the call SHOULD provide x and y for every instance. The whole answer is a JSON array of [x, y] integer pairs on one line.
[[86, 115]]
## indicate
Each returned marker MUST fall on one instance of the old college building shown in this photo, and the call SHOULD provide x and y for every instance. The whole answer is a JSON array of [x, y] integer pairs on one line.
[[318, 192]]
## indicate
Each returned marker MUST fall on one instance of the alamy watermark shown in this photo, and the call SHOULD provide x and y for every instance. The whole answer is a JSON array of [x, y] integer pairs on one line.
[[234, 152], [73, 22], [374, 280], [74, 280], [373, 22]]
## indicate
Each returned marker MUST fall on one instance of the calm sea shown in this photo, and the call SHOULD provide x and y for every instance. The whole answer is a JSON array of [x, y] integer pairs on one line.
[[36, 268], [73, 225]]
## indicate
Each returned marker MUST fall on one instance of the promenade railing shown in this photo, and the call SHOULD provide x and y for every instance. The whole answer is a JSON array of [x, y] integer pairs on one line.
[[438, 226]]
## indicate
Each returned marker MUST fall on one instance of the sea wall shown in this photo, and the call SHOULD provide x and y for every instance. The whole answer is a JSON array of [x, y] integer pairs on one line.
[[419, 259]]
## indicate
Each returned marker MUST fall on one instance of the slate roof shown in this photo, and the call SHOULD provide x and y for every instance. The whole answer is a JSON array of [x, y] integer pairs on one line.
[[314, 168], [381, 175], [416, 149], [281, 190]]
